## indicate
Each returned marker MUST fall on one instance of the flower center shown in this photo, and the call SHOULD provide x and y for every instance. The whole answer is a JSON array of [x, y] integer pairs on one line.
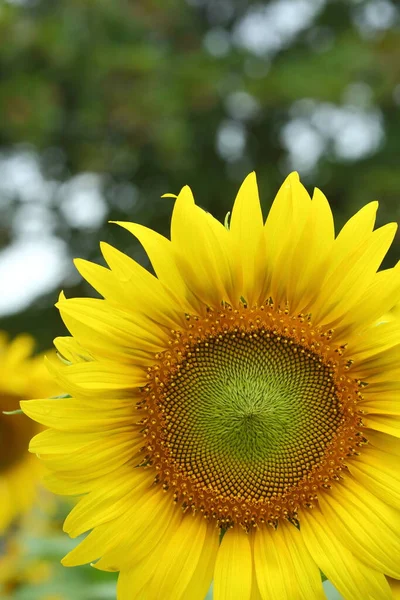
[[15, 433], [250, 413]]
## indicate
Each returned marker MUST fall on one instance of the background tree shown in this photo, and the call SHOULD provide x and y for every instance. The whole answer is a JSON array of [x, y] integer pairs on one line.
[[107, 105]]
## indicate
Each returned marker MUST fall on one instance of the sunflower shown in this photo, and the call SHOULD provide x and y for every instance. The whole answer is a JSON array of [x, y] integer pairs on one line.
[[21, 376], [234, 419]]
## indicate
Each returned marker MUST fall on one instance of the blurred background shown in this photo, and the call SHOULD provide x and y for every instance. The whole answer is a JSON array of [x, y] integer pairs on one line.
[[107, 105]]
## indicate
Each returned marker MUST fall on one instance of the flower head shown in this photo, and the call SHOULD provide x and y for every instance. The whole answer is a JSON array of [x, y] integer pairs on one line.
[[21, 376], [236, 417]]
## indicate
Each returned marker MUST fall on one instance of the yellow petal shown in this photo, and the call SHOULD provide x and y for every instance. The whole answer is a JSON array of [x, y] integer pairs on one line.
[[354, 233], [246, 230], [107, 503], [284, 567], [162, 257], [200, 582], [101, 457], [379, 472], [234, 567], [109, 332], [378, 299], [101, 279], [148, 524], [377, 365], [387, 424], [137, 283], [283, 229], [20, 348], [127, 586], [382, 398], [368, 527], [58, 485], [275, 234], [202, 252], [344, 286], [76, 415], [180, 560], [53, 441], [100, 379], [255, 592], [374, 339], [70, 350], [384, 442], [308, 577], [273, 565], [311, 254], [350, 576], [118, 541]]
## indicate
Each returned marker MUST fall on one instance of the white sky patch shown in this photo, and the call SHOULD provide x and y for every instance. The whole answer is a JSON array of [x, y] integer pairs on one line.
[[304, 144], [37, 261], [20, 175], [266, 29], [331, 592], [351, 132], [217, 42], [231, 140], [355, 133], [33, 219], [29, 268], [82, 202], [241, 105], [375, 16]]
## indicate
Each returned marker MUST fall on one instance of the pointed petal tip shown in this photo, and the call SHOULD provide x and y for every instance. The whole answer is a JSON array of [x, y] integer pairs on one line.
[[22, 404], [294, 176], [79, 263], [28, 408], [66, 562], [186, 194], [61, 298], [250, 179], [104, 246], [291, 180], [373, 206], [252, 176]]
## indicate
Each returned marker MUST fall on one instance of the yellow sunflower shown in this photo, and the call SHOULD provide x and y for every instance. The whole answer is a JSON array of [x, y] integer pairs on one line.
[[21, 376], [236, 418]]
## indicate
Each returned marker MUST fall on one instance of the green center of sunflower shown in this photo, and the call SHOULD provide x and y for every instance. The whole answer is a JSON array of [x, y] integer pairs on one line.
[[242, 408], [247, 423]]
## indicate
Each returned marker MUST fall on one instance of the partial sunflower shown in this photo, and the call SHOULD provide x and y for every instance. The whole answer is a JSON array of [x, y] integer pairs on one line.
[[25, 569], [17, 569], [21, 376], [235, 418]]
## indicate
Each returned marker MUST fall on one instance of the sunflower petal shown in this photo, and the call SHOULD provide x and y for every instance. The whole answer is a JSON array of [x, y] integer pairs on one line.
[[350, 576], [368, 527], [180, 560], [233, 567], [246, 230], [379, 472]]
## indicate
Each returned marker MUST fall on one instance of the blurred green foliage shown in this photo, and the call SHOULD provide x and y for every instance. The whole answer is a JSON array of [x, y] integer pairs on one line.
[[156, 94]]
